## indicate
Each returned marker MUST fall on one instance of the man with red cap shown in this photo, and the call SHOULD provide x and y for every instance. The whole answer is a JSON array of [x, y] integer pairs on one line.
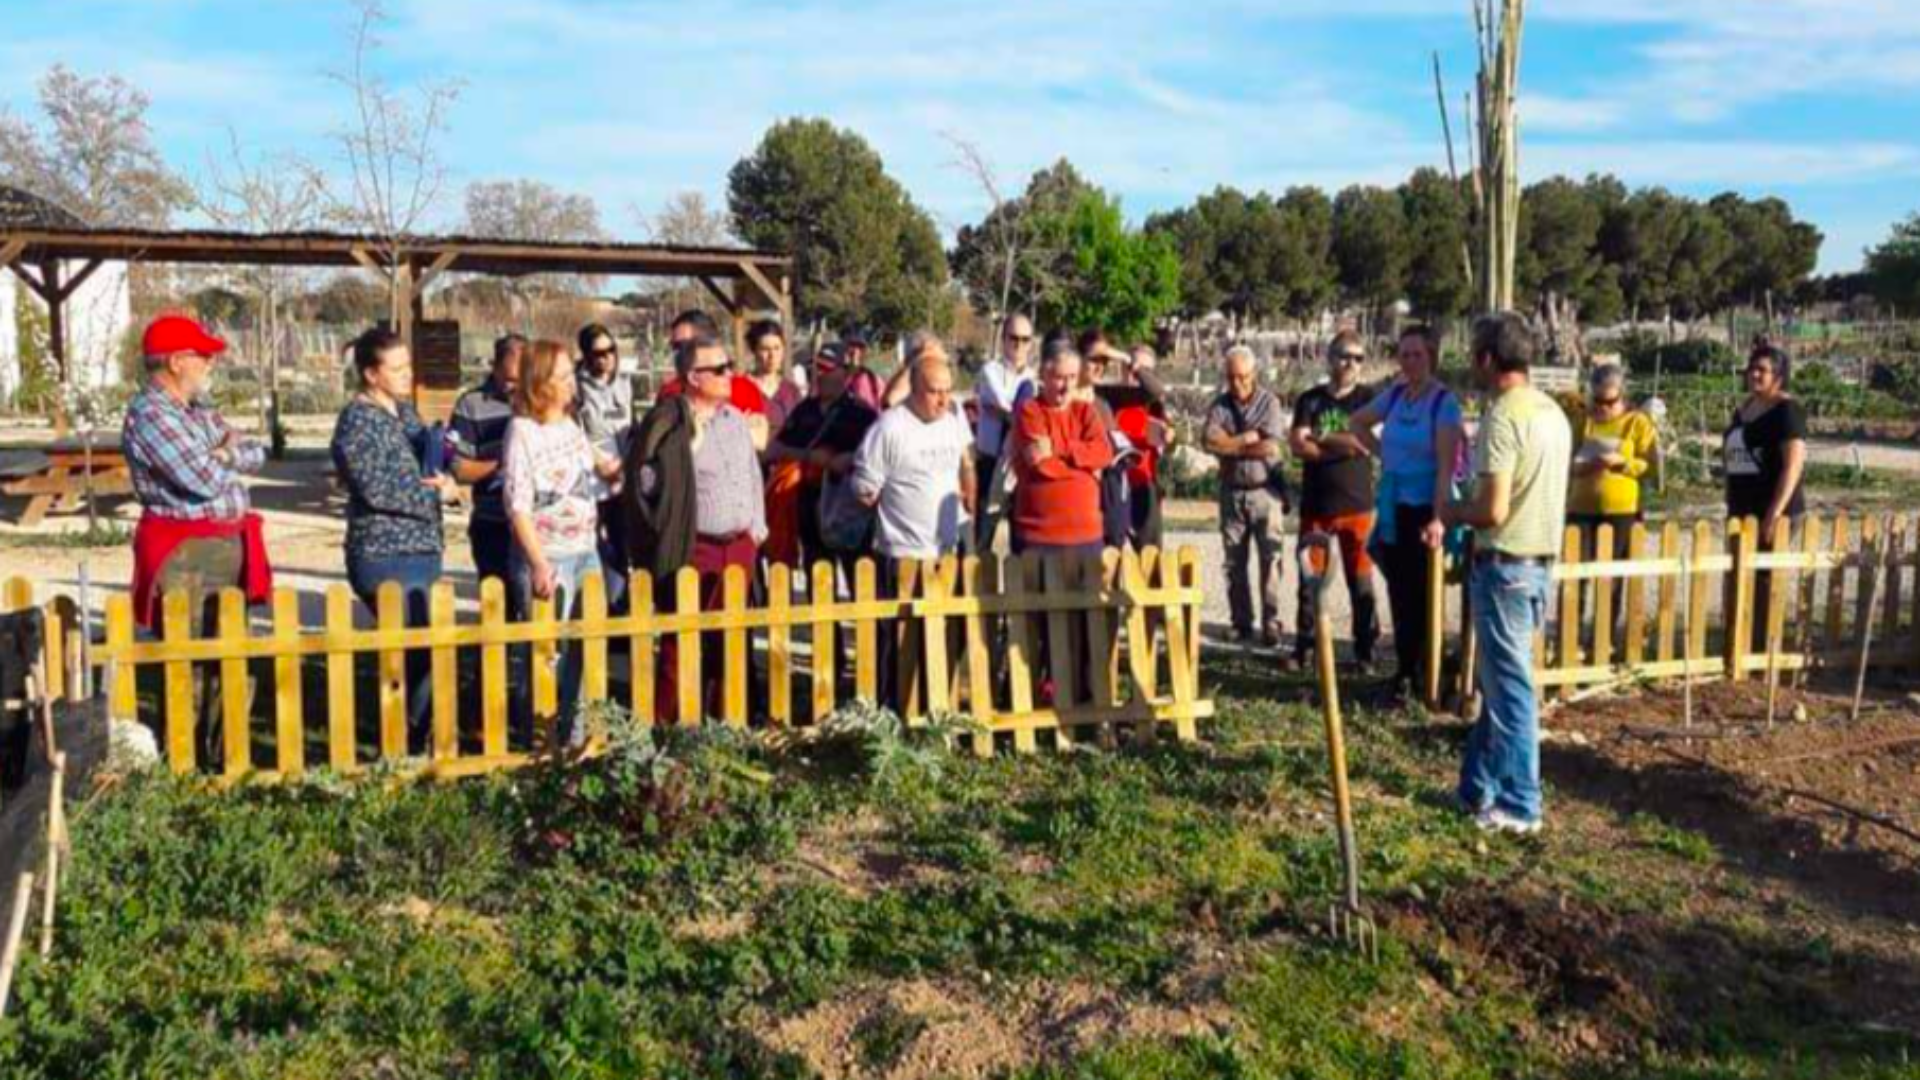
[[197, 531]]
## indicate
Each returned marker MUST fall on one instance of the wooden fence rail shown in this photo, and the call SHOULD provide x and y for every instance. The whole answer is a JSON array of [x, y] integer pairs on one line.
[[1024, 646], [1710, 599]]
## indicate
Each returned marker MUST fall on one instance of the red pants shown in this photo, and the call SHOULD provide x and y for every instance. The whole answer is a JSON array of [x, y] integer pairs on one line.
[[711, 558], [1352, 530]]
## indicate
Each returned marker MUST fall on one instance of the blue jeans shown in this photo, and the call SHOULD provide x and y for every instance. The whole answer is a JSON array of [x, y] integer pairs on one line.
[[567, 572], [1502, 764], [416, 572]]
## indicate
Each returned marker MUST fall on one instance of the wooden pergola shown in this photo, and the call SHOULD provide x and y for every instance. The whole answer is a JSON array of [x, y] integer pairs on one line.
[[742, 280]]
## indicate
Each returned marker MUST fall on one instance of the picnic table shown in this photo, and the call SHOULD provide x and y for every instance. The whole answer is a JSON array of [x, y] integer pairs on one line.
[[54, 478]]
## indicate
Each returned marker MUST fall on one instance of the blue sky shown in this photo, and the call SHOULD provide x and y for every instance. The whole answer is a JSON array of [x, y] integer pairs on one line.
[[1817, 101]]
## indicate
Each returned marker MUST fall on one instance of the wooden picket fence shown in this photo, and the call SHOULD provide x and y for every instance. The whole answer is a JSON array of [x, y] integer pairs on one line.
[[1686, 602], [969, 638]]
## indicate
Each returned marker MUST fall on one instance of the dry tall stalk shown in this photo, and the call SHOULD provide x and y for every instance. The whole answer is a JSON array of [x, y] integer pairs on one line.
[[1497, 26]]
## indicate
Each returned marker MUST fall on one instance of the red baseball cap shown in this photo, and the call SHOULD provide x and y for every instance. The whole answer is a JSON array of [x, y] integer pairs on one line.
[[170, 334]]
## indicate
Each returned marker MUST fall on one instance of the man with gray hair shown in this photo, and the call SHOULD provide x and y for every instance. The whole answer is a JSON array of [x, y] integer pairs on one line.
[[1245, 431]]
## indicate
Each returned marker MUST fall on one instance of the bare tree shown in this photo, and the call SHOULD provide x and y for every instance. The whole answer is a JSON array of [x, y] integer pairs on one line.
[[535, 211], [1497, 28], [94, 155], [392, 146], [685, 220], [265, 193], [1005, 223]]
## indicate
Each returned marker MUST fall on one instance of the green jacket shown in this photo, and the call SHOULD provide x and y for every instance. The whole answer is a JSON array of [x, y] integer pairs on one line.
[[657, 498]]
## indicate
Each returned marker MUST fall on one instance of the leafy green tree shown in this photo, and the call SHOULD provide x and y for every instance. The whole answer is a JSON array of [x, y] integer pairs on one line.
[[1436, 212], [858, 241], [1371, 246], [1122, 279], [1230, 248], [1304, 268], [1773, 254], [1893, 268]]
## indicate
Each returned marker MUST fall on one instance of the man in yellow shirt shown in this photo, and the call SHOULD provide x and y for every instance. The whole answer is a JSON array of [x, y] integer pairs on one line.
[[1614, 447]]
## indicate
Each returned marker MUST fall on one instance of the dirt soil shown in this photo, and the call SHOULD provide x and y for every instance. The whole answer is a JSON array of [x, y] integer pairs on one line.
[[1815, 823]]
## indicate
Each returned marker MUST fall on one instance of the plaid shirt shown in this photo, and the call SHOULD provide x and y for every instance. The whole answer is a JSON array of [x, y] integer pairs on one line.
[[170, 453]]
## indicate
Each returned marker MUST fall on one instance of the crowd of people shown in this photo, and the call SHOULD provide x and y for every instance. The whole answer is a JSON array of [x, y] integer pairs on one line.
[[824, 460]]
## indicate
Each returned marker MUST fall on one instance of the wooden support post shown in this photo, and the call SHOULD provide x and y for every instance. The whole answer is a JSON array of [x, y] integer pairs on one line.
[[16, 929], [1743, 537]]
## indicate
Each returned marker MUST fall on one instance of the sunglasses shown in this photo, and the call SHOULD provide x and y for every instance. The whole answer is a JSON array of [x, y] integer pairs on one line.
[[1350, 358], [599, 354], [1019, 339], [715, 369]]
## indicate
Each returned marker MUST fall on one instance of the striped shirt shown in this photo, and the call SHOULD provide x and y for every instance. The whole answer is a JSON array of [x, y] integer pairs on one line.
[[170, 449]]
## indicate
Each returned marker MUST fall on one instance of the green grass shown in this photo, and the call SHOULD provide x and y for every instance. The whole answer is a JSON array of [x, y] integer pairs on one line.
[[658, 912]]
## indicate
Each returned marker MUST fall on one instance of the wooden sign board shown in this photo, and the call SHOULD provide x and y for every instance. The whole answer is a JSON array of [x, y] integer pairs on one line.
[[436, 355]]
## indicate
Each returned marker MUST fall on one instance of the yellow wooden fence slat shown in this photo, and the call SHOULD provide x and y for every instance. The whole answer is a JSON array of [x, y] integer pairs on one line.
[[57, 623], [689, 684], [1872, 551], [939, 581], [1896, 561], [978, 579], [1840, 545], [1569, 613], [908, 584], [1779, 590], [1667, 615], [1058, 575], [175, 613], [446, 676], [866, 633], [1183, 624], [643, 664], [593, 651], [123, 692], [235, 696], [546, 671], [1103, 633], [495, 693], [826, 654], [1696, 647], [16, 596], [342, 736], [1913, 617], [289, 692], [1603, 592], [1636, 600], [1019, 650], [733, 588], [1812, 544], [390, 606], [780, 645]]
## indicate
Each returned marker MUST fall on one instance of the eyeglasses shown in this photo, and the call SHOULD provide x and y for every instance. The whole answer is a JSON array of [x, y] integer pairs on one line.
[[1349, 358], [601, 354], [1019, 339]]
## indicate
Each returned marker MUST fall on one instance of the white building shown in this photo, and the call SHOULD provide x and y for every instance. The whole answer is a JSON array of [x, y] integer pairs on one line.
[[97, 315]]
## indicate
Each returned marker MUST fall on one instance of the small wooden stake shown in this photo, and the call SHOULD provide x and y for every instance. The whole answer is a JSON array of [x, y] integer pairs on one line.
[[16, 929], [56, 840], [1686, 629], [1879, 566]]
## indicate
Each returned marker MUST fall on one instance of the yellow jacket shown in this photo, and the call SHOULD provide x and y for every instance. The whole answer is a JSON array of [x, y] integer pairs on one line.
[[1616, 490]]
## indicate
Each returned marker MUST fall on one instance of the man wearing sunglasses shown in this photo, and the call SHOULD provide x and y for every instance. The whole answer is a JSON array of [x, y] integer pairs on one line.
[[692, 494], [1336, 492], [999, 386]]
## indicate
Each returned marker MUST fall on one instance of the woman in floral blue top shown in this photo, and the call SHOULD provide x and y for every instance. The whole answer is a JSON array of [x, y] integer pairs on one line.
[[393, 505]]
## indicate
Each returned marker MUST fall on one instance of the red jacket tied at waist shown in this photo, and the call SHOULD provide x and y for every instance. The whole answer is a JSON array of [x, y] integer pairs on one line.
[[156, 537]]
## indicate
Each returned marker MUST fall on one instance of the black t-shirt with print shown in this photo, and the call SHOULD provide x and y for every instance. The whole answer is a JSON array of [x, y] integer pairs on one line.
[[815, 425], [1333, 487], [1755, 453]]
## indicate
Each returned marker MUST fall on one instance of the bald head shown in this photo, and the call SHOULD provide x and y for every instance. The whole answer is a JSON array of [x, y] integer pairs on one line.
[[930, 382]]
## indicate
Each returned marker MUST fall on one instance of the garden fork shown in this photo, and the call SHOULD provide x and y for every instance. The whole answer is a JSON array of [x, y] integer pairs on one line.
[[1346, 920]]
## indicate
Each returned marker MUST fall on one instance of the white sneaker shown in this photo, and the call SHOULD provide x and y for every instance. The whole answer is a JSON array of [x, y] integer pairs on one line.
[[1494, 819]]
